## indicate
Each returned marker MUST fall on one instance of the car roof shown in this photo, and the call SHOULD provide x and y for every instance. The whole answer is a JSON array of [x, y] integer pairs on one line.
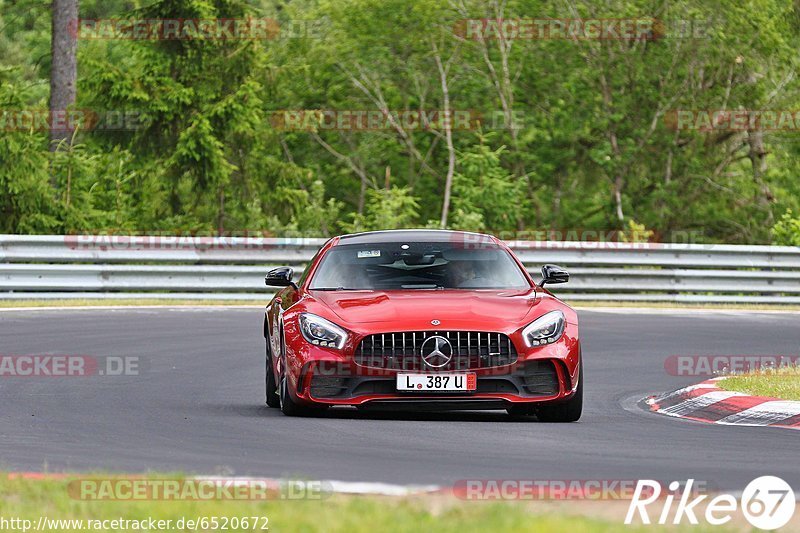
[[413, 235]]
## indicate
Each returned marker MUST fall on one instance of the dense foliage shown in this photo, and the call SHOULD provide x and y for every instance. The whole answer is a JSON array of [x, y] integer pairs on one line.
[[574, 134]]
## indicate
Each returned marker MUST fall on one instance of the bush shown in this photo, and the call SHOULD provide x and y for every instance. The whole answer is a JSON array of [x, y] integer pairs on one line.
[[786, 232]]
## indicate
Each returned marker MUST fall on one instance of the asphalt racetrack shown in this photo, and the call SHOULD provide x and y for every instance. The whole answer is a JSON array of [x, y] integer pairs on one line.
[[197, 407]]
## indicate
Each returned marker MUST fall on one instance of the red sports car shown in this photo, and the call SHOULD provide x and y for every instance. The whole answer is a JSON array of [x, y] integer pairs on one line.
[[421, 319]]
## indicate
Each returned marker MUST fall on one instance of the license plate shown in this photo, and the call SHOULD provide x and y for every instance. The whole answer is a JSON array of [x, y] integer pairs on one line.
[[437, 382]]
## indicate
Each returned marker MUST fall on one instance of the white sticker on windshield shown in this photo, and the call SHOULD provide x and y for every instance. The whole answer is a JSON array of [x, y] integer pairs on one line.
[[369, 253]]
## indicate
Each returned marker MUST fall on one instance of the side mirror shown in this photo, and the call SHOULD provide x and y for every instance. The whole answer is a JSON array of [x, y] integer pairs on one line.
[[553, 274], [280, 277]]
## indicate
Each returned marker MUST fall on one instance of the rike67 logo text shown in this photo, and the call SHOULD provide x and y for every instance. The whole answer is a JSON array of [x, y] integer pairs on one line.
[[767, 502]]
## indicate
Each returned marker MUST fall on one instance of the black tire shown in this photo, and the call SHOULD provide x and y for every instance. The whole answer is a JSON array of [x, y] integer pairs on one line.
[[270, 383], [288, 406], [568, 411]]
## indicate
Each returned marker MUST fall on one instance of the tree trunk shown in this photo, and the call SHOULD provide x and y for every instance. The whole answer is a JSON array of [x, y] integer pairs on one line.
[[448, 135], [64, 71], [758, 158], [618, 184], [362, 194], [221, 213]]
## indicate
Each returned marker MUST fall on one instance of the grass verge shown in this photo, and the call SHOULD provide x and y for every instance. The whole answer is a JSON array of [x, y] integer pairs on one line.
[[30, 499], [783, 383]]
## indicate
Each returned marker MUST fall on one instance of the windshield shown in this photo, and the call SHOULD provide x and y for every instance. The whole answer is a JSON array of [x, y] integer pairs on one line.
[[421, 265]]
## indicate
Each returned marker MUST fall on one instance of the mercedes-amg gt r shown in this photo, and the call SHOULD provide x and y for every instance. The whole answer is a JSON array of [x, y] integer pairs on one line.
[[421, 319]]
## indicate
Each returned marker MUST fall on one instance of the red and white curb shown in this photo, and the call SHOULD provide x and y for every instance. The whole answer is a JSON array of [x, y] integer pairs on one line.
[[706, 402]]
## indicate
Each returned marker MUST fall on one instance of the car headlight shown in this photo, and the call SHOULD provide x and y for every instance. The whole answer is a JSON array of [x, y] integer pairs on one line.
[[321, 332], [546, 329]]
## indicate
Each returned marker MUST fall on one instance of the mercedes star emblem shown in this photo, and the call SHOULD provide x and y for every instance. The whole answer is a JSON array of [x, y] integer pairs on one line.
[[436, 351]]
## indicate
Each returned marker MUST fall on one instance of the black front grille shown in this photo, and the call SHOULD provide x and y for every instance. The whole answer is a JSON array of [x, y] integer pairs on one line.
[[471, 350]]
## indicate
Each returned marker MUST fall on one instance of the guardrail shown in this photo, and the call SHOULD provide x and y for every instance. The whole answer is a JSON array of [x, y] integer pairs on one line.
[[233, 268]]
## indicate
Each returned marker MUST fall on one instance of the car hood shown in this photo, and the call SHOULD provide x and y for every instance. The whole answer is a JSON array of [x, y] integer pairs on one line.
[[415, 309]]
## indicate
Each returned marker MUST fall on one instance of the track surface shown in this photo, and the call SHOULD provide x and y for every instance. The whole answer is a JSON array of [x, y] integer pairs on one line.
[[198, 407]]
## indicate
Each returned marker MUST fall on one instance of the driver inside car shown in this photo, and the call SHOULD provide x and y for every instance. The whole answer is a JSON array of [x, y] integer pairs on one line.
[[466, 275]]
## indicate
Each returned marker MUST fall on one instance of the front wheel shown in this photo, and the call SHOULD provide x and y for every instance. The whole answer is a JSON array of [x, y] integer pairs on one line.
[[288, 406], [569, 411], [270, 383]]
